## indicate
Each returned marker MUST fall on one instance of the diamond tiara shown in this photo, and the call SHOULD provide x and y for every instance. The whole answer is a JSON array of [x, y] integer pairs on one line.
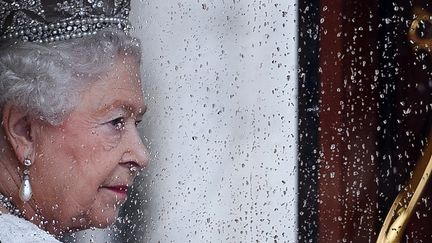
[[50, 20]]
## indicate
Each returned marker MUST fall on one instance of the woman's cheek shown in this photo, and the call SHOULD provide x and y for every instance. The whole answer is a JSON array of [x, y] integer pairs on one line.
[[109, 137]]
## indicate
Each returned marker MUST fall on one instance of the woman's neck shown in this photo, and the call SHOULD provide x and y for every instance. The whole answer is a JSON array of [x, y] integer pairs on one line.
[[3, 209], [10, 182]]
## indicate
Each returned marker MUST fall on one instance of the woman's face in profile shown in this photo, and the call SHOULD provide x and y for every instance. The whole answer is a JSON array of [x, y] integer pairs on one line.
[[82, 168]]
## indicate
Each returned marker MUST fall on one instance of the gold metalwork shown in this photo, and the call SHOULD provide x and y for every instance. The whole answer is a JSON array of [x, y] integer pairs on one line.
[[421, 17], [405, 203]]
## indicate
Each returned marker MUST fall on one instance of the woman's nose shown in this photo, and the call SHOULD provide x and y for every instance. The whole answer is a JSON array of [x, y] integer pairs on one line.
[[137, 150]]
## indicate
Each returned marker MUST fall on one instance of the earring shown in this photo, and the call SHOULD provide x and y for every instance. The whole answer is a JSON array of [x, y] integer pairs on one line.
[[25, 190]]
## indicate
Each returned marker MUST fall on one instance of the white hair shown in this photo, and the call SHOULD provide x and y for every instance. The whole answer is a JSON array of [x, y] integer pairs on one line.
[[45, 79]]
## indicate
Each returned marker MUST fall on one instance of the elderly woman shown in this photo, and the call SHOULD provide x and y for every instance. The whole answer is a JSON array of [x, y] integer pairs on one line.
[[70, 99]]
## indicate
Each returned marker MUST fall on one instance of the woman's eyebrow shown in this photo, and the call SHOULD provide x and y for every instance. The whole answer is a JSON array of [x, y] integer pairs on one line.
[[128, 107]]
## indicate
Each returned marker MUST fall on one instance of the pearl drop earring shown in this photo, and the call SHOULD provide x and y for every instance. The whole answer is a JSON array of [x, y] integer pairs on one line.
[[25, 192]]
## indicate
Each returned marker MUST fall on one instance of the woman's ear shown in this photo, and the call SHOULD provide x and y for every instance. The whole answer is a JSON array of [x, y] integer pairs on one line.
[[17, 129]]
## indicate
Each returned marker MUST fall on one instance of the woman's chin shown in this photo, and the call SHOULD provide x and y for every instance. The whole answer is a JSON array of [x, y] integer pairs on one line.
[[102, 219], [107, 218]]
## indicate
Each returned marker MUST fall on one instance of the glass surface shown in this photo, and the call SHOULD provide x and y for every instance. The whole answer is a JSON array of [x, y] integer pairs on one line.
[[220, 80], [279, 121]]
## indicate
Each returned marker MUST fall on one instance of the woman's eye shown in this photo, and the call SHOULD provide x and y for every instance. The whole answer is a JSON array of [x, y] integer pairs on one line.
[[118, 123], [137, 123]]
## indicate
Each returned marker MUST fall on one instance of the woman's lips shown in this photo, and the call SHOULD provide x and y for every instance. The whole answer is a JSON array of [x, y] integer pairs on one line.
[[120, 191]]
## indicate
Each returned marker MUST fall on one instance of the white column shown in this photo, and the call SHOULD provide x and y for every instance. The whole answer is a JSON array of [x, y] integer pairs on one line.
[[221, 80]]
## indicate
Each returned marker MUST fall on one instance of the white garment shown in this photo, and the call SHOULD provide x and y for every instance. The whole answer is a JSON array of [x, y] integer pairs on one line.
[[17, 230]]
